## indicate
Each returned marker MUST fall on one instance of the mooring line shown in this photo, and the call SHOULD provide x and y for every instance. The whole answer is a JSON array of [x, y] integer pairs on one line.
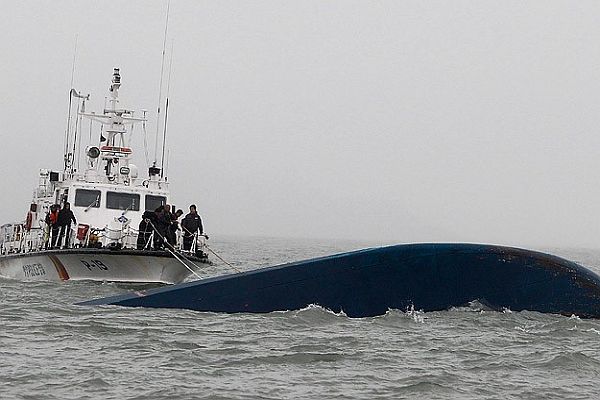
[[221, 258], [167, 244]]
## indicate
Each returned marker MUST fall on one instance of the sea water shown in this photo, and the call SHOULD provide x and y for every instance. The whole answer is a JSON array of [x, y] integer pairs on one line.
[[52, 349]]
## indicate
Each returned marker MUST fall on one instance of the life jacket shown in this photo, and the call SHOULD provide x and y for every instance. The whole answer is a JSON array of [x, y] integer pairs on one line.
[[53, 217]]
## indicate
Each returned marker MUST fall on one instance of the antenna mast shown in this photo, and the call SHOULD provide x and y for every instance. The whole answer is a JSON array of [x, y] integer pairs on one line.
[[66, 156], [164, 141], [162, 67]]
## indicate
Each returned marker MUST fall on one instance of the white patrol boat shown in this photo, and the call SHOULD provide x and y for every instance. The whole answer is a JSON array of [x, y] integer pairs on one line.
[[107, 199]]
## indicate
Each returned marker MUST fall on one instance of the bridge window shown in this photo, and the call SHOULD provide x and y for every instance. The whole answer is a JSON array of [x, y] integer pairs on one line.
[[153, 202], [87, 198], [122, 201]]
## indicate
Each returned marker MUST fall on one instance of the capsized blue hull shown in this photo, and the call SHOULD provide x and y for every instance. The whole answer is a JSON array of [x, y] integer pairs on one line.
[[428, 277]]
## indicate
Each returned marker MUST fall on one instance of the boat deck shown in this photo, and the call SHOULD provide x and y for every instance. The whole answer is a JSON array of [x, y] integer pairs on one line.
[[89, 251]]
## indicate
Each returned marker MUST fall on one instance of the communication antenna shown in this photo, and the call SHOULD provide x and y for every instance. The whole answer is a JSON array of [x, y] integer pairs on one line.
[[167, 166], [144, 112], [68, 129], [162, 67], [164, 141]]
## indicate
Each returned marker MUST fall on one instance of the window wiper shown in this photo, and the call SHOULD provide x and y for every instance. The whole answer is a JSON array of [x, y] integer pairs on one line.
[[91, 205], [129, 208]]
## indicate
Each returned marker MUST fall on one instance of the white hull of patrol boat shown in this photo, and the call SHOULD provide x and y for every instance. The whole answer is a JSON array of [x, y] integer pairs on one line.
[[97, 265]]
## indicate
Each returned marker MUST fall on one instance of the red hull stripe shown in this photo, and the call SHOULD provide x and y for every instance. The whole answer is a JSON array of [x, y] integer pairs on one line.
[[60, 268]]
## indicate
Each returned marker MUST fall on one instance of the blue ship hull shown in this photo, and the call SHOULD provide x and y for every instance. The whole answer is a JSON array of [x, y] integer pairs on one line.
[[364, 283]]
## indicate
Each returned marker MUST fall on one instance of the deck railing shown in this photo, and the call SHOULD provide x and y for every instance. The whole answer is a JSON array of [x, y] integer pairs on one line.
[[16, 239]]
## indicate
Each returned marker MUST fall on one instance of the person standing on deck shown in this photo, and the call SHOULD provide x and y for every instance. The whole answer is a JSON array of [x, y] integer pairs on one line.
[[163, 220], [173, 227], [65, 216], [191, 224], [145, 230], [52, 226]]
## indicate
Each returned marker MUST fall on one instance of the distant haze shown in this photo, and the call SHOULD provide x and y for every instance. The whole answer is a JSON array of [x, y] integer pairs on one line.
[[385, 121]]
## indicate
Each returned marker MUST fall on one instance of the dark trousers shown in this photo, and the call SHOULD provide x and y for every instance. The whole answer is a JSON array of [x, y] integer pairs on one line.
[[159, 243], [187, 242], [171, 237], [65, 231]]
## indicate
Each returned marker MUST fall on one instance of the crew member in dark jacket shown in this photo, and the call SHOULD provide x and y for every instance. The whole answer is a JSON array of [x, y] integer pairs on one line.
[[65, 216], [163, 220], [173, 227], [145, 229], [191, 224]]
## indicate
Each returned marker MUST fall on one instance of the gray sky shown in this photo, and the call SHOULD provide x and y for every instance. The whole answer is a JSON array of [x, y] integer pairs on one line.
[[392, 121]]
